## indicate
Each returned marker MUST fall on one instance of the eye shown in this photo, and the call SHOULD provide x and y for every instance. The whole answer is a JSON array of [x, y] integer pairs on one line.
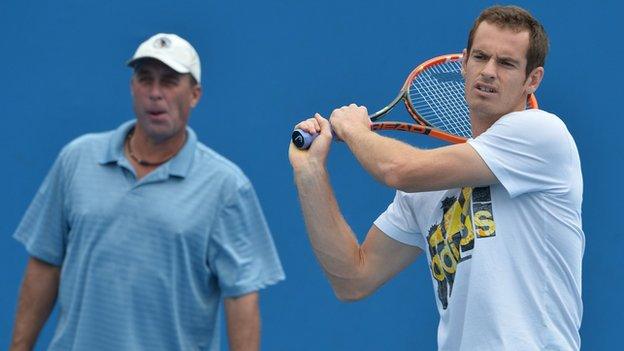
[[479, 56], [170, 81], [144, 79], [507, 64]]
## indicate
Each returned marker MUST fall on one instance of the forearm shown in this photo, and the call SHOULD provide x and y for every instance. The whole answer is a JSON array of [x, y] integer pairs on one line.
[[243, 322], [333, 241], [389, 161], [36, 301], [404, 167]]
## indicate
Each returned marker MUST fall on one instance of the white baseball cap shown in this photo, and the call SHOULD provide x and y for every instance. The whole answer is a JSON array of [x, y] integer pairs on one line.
[[171, 50]]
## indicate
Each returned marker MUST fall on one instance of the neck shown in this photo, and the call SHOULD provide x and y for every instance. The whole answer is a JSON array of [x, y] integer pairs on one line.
[[148, 152], [481, 121]]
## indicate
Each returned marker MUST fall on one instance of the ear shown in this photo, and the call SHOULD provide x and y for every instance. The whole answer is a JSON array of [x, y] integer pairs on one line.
[[533, 80], [464, 61], [196, 95], [131, 85]]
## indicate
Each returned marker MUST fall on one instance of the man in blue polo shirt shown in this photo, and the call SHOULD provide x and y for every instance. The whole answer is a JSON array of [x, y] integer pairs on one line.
[[139, 232]]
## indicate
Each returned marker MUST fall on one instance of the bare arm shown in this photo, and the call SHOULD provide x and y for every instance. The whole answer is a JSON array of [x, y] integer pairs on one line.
[[404, 167], [354, 271], [243, 322], [36, 300]]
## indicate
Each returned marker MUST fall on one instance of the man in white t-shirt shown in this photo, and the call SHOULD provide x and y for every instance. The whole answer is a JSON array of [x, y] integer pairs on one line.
[[498, 217]]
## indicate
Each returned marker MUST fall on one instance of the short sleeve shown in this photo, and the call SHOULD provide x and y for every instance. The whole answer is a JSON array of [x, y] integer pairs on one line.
[[527, 151], [44, 228], [399, 221], [241, 251]]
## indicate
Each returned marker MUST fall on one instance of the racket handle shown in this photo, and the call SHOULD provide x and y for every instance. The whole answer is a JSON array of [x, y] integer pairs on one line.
[[302, 139]]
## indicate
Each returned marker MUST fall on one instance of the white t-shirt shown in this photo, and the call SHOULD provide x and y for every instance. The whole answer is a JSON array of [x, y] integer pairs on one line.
[[505, 259]]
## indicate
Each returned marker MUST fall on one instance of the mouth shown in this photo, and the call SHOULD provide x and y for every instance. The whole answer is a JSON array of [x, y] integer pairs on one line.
[[485, 88], [156, 113]]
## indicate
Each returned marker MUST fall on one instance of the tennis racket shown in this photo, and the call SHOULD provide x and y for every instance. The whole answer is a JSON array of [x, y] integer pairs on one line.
[[434, 96]]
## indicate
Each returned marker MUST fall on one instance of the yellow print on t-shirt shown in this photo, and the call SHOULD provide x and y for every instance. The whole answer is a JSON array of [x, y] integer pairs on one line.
[[452, 240]]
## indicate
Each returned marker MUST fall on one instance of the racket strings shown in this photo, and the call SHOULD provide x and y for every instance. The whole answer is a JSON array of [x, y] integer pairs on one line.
[[442, 93], [437, 94]]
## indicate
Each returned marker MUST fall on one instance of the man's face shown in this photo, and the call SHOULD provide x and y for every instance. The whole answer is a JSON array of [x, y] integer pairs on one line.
[[162, 99], [495, 72]]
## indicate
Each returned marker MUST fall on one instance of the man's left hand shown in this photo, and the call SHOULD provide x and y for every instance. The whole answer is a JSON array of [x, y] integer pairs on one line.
[[350, 120]]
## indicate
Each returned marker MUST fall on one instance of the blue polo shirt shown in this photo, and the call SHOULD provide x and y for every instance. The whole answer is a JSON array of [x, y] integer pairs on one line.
[[144, 263]]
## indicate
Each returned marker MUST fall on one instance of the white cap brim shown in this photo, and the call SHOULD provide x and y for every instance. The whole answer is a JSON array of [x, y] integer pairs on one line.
[[166, 60]]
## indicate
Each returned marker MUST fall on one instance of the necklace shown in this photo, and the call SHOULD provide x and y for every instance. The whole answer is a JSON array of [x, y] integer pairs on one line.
[[141, 161]]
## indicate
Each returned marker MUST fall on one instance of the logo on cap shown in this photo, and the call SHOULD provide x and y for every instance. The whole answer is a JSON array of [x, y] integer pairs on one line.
[[162, 42]]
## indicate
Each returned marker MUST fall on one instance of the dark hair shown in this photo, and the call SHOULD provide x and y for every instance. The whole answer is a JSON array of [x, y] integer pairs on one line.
[[517, 19]]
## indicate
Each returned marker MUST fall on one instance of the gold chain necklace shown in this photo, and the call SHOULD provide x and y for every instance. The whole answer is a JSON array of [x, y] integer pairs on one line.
[[141, 161]]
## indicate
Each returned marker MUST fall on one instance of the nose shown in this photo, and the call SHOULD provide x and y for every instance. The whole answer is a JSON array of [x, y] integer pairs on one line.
[[155, 91], [488, 72]]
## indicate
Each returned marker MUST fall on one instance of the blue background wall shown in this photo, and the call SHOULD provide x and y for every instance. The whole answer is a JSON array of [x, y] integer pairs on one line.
[[268, 64]]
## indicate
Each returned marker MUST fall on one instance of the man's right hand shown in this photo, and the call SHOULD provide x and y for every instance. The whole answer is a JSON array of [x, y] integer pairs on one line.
[[316, 155]]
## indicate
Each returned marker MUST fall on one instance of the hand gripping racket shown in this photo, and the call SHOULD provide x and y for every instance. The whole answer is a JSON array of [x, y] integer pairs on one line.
[[434, 96]]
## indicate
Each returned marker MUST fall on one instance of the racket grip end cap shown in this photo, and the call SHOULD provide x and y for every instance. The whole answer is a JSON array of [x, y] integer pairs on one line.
[[302, 139]]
